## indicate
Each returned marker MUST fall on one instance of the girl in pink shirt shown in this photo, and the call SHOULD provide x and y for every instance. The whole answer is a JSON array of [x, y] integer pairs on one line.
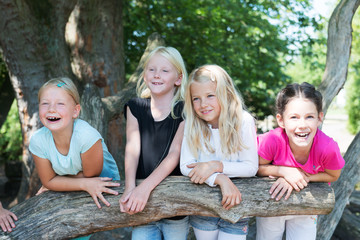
[[296, 152]]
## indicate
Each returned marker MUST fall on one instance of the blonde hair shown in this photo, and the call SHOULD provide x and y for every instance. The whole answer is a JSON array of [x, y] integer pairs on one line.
[[230, 118], [174, 57], [64, 83]]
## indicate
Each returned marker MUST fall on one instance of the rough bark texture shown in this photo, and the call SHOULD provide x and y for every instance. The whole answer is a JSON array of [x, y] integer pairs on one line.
[[56, 215], [343, 188], [349, 225], [338, 50], [30, 47], [338, 53]]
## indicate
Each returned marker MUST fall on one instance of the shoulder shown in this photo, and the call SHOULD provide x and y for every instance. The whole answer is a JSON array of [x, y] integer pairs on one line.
[[137, 105], [326, 142], [40, 135], [40, 142], [247, 118], [83, 130], [138, 102], [273, 136]]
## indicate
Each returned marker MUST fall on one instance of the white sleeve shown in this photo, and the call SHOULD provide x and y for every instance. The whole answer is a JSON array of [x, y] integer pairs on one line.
[[186, 157], [248, 162]]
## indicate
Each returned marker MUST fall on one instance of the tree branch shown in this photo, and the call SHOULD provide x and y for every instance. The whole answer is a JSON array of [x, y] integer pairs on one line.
[[58, 215]]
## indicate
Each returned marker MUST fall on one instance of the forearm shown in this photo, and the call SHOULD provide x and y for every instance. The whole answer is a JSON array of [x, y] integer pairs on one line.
[[130, 173], [162, 171], [324, 177], [268, 170], [240, 169], [66, 183]]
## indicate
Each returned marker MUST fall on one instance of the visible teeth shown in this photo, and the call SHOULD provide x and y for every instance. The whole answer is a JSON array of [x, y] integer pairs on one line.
[[53, 118], [302, 134]]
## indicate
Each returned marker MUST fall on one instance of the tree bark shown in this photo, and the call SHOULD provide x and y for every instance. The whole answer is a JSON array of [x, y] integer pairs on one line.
[[338, 53], [33, 52], [343, 188], [338, 50], [57, 215]]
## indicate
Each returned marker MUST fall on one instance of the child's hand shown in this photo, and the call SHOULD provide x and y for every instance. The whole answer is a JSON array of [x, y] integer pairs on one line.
[[279, 188], [41, 190], [7, 219], [203, 170], [295, 176], [124, 199], [231, 194], [96, 186], [135, 200]]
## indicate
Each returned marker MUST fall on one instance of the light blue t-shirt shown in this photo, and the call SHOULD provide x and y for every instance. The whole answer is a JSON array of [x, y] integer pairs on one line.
[[83, 138]]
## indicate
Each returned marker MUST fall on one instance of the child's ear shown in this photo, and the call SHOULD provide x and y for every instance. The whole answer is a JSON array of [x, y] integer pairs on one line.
[[178, 81], [76, 111], [321, 118], [280, 120]]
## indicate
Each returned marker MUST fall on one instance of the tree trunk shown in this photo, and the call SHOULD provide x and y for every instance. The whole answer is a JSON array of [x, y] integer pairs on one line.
[[33, 52], [57, 215], [338, 53], [338, 50]]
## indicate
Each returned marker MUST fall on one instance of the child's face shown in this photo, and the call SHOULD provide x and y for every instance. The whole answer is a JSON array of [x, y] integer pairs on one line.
[[160, 75], [300, 121], [57, 109], [205, 102]]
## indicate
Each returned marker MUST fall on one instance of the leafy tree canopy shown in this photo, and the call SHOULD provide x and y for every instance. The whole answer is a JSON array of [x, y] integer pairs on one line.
[[252, 40]]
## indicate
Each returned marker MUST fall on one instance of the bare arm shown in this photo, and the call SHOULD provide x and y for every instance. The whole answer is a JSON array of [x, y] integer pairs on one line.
[[296, 177], [92, 160], [54, 182], [326, 176], [132, 154], [138, 198]]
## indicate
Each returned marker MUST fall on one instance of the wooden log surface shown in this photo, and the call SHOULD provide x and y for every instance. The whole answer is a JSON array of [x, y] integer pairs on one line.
[[63, 215]]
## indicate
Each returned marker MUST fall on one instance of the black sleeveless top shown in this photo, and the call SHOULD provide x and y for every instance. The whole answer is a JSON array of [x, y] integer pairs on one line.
[[156, 137]]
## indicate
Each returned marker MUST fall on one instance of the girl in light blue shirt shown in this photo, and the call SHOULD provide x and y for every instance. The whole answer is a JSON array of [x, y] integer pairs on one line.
[[69, 154]]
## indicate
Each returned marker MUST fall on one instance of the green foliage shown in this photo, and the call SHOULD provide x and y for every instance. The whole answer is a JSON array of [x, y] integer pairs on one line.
[[310, 66], [247, 38], [353, 88], [11, 137]]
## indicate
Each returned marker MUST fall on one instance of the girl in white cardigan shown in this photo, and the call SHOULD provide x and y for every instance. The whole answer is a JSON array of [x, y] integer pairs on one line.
[[219, 143]]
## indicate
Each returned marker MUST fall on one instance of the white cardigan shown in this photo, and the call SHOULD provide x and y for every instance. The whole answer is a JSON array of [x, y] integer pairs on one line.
[[242, 164]]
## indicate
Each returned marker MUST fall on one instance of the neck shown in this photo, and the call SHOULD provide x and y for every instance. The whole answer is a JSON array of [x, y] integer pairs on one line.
[[161, 106], [301, 155], [62, 139]]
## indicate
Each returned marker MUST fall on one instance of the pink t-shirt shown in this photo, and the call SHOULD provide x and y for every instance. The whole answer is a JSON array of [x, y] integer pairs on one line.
[[324, 154]]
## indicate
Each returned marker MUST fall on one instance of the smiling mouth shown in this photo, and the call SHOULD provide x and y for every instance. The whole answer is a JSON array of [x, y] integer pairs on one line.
[[157, 83], [53, 119], [206, 112], [302, 135]]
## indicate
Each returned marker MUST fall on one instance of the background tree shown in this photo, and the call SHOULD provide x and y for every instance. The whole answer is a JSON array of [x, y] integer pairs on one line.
[[353, 88]]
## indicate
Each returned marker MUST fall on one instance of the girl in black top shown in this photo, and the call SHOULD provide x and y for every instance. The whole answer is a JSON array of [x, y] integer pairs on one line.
[[154, 132]]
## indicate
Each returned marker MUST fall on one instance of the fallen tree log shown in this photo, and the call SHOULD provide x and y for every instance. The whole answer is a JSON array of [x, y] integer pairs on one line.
[[60, 215]]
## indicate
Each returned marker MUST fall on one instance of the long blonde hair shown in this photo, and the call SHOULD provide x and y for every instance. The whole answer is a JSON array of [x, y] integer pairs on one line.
[[230, 118], [174, 57]]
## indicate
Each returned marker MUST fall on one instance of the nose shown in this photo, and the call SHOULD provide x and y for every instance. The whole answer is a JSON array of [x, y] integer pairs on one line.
[[156, 74], [302, 123], [203, 103], [51, 107]]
